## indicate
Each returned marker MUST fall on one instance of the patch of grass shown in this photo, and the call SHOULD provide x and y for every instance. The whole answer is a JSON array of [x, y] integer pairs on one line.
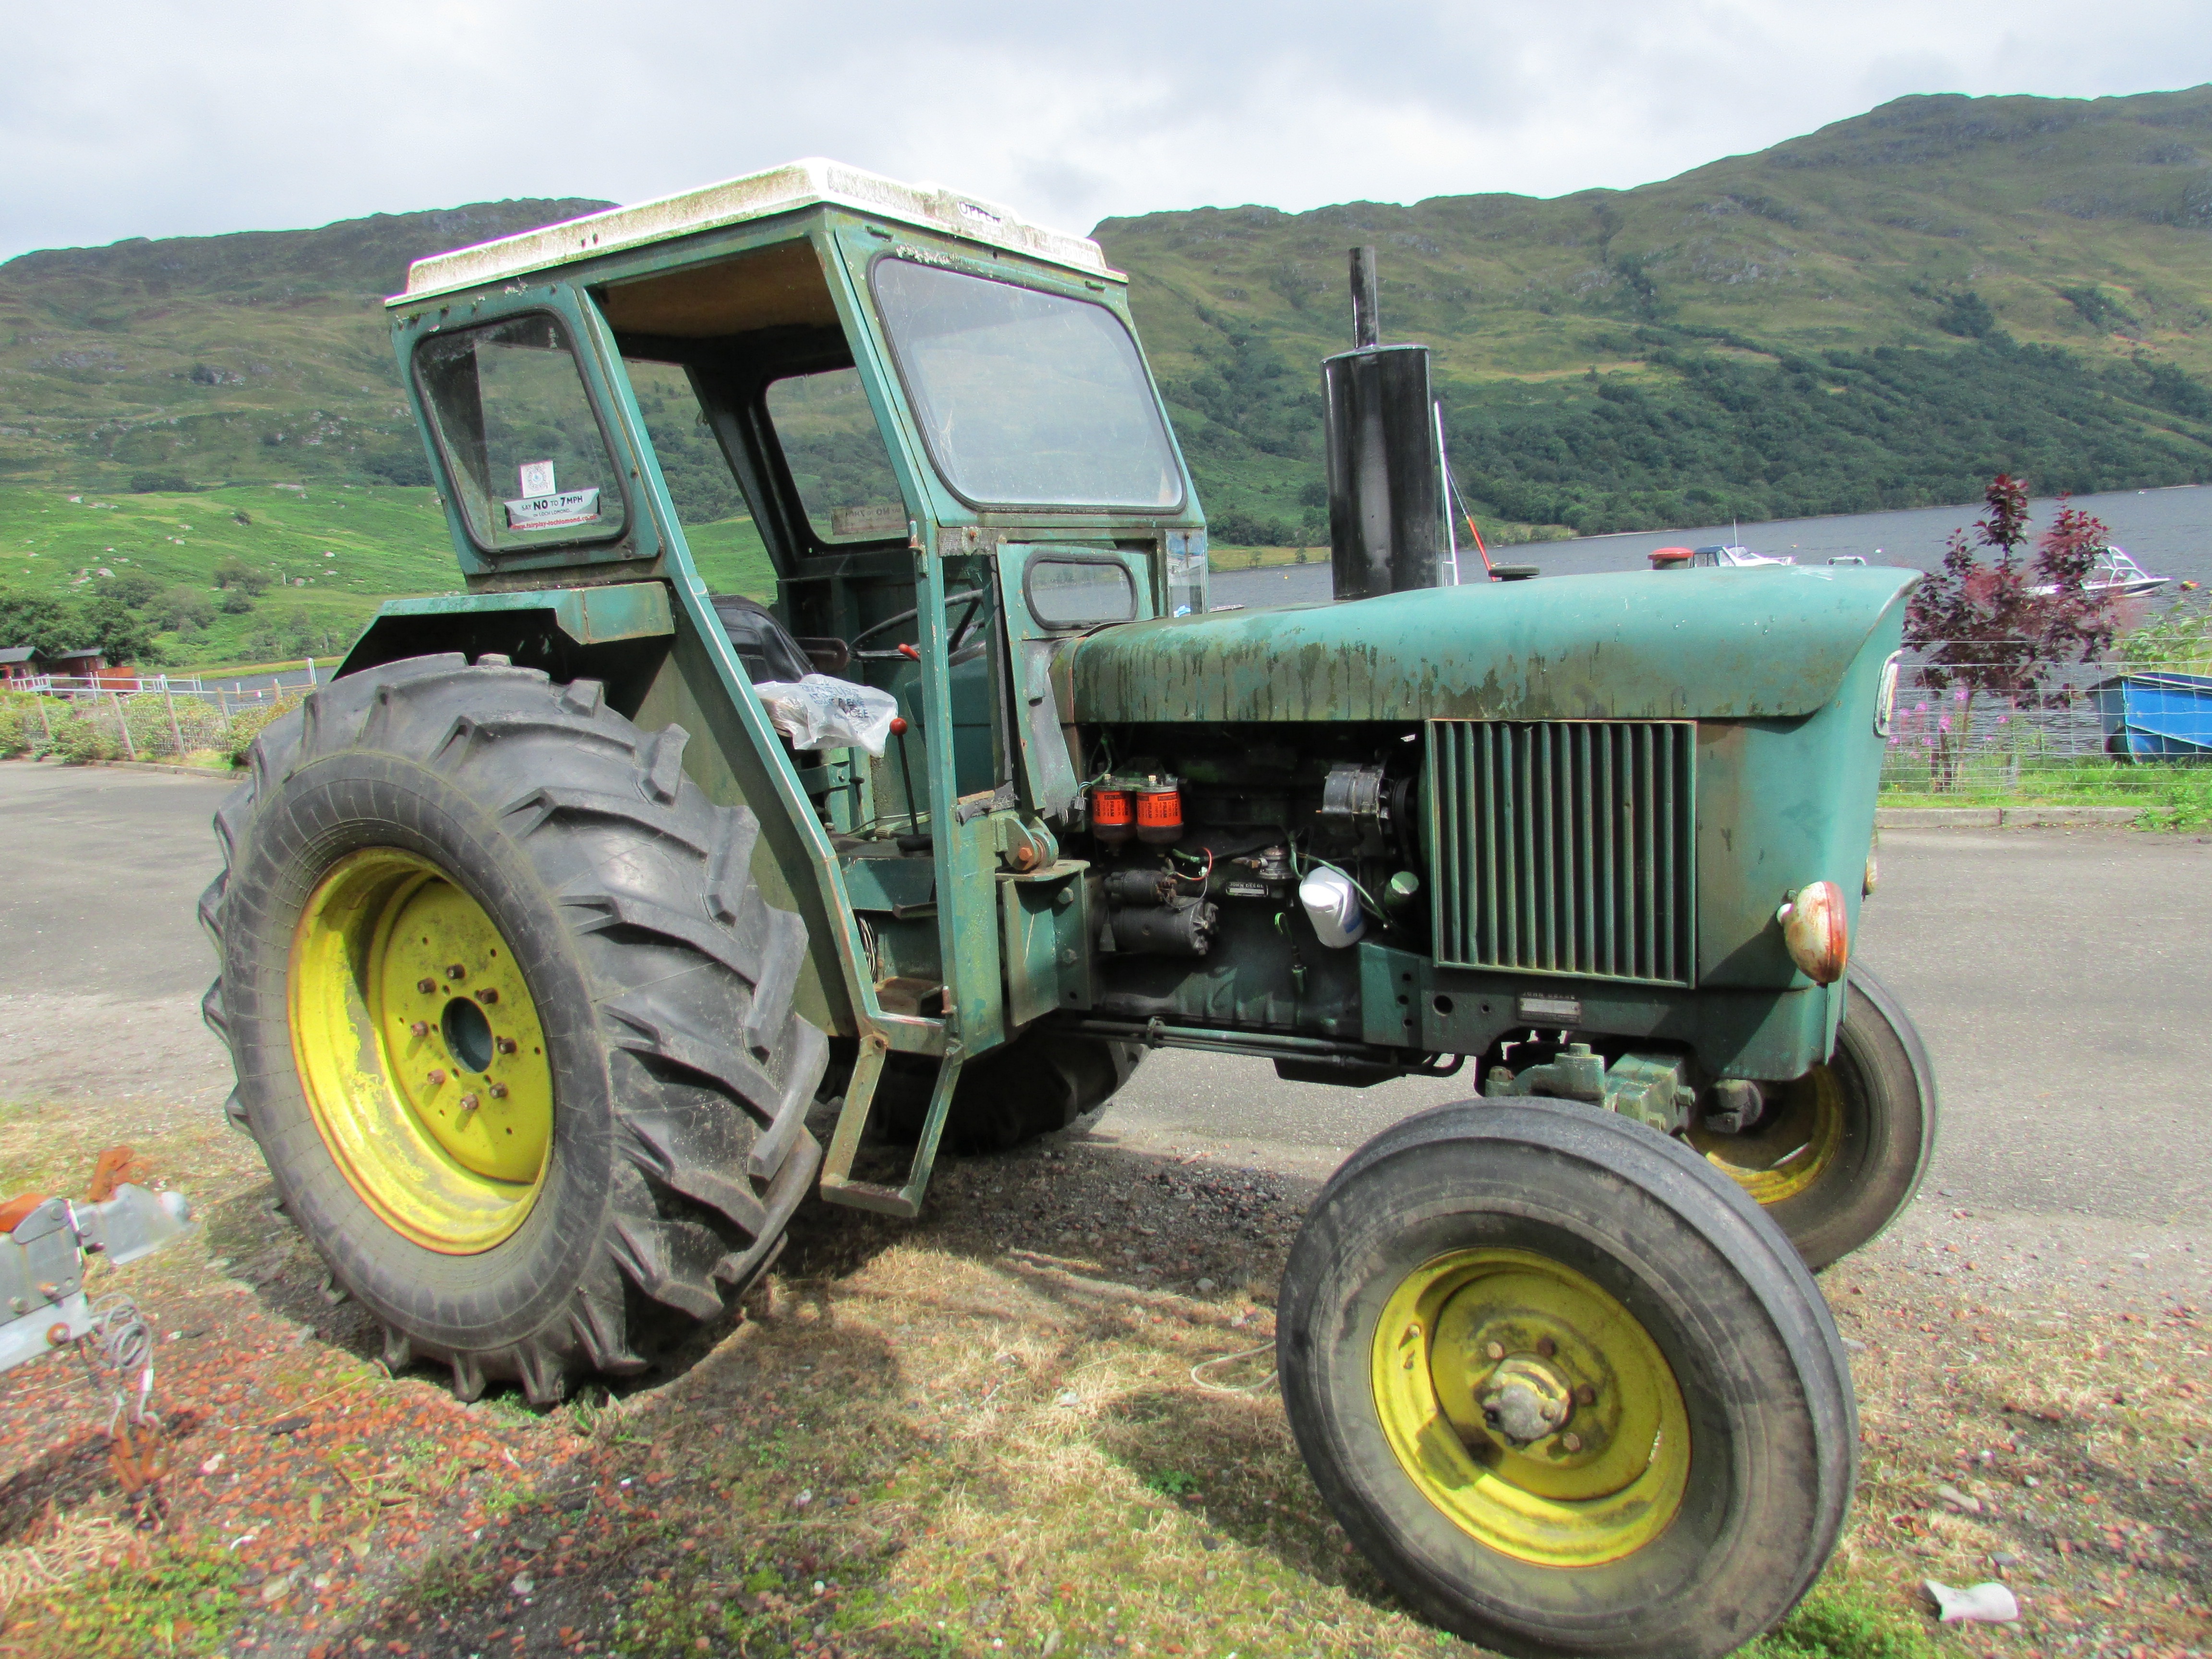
[[178, 1603], [2179, 789], [2184, 803], [1841, 1620], [328, 554]]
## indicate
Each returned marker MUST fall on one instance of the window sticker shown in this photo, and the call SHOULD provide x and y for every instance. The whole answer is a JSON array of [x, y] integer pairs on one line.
[[537, 478], [554, 512]]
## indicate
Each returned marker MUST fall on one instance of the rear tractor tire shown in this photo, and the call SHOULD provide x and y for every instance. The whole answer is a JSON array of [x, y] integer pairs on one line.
[[1033, 1086], [511, 1025], [1565, 1386], [1840, 1152]]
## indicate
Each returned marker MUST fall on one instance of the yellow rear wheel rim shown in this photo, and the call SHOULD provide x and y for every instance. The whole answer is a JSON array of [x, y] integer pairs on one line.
[[1795, 1145], [1465, 1332], [421, 1052]]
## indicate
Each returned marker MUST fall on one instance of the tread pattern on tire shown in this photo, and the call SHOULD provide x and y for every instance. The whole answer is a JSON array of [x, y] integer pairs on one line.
[[691, 974], [1647, 1169]]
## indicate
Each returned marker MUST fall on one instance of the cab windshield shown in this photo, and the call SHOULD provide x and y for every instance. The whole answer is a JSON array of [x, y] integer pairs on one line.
[[1026, 399]]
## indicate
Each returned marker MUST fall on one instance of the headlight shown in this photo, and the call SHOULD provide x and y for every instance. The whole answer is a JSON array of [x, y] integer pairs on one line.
[[1817, 930]]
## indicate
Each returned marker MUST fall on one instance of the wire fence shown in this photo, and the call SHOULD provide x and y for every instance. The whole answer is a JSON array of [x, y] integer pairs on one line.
[[2125, 727], [205, 726]]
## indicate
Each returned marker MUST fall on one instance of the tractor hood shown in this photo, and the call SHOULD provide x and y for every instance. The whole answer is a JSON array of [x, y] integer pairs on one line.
[[1675, 644]]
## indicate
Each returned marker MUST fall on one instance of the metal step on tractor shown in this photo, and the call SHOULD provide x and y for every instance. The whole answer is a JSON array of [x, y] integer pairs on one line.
[[550, 926]]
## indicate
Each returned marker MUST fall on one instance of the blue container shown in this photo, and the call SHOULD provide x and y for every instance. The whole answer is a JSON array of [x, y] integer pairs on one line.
[[2165, 715]]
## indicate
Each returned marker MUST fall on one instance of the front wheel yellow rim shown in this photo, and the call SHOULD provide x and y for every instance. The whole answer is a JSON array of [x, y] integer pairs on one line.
[[1794, 1146], [1531, 1408], [420, 1051]]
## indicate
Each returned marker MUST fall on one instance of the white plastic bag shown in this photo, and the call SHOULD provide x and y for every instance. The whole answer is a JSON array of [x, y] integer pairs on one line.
[[1984, 1604], [820, 712]]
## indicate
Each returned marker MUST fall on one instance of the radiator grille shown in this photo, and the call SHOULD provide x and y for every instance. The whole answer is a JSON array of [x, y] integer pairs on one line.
[[1565, 846]]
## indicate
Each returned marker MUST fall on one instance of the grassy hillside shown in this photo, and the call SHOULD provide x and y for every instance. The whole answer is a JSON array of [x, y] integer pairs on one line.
[[1878, 313], [302, 567], [261, 355], [1829, 325]]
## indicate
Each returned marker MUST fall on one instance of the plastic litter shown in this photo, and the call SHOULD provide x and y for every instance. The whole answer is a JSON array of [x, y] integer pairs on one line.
[[820, 712], [1990, 1603]]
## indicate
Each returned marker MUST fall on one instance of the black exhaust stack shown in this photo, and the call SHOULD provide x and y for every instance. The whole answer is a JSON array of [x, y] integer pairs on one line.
[[1386, 508]]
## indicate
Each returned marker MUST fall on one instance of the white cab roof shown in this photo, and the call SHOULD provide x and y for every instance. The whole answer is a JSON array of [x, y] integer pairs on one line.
[[779, 190]]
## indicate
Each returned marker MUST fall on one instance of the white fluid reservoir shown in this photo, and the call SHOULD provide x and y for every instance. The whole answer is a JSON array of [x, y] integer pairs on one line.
[[1332, 904]]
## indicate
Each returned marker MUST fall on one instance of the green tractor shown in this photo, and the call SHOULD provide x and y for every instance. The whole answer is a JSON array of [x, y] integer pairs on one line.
[[565, 926]]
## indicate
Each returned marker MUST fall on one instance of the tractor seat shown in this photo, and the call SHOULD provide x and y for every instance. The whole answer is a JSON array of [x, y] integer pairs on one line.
[[768, 649]]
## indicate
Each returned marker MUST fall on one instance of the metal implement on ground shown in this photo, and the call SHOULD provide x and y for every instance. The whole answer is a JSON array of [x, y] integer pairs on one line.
[[42, 1260], [556, 974]]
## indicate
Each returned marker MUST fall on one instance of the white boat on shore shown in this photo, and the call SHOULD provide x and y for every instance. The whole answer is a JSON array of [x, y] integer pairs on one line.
[[2115, 573], [1719, 556]]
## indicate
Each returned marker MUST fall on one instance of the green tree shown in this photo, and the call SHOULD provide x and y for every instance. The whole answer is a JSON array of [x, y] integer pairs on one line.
[[235, 575], [134, 588], [43, 621], [182, 608], [122, 635]]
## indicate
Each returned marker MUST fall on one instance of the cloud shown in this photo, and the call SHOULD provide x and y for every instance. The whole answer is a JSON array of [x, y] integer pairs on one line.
[[153, 118]]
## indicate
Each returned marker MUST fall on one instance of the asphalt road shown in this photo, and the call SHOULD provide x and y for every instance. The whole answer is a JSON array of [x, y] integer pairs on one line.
[[2062, 979]]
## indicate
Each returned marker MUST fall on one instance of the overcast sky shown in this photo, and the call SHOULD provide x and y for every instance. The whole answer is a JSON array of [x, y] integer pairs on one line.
[[132, 117]]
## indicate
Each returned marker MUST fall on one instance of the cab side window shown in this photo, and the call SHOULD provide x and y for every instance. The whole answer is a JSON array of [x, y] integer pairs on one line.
[[836, 454]]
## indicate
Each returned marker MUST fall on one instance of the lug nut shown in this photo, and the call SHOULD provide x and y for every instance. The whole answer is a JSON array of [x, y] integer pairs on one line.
[[499, 1092], [421, 1028], [1545, 1347], [426, 986], [1585, 1394], [470, 1102], [437, 1079], [504, 1045], [1573, 1442], [489, 994], [1496, 1351], [454, 970]]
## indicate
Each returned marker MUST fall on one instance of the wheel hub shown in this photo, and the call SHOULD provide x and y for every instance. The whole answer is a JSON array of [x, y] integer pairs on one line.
[[1524, 1400], [1795, 1142], [1531, 1406], [420, 1050]]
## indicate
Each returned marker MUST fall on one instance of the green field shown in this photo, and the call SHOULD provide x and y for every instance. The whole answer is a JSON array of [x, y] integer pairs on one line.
[[331, 553]]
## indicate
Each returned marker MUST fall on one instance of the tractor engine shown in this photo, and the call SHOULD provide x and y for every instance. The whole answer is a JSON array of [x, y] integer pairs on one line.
[[1233, 868]]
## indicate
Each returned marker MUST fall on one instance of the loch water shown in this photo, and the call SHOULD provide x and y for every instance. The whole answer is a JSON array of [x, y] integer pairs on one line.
[[2167, 532]]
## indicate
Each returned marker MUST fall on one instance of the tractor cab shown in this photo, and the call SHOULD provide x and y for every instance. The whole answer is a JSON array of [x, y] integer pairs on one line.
[[933, 423]]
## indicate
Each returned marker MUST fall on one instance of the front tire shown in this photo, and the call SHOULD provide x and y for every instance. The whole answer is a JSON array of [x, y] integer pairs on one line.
[[1841, 1150], [1565, 1386], [511, 1024]]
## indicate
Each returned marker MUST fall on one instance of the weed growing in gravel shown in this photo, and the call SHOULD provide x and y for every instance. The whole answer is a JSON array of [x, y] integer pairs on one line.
[[179, 1603], [1844, 1623]]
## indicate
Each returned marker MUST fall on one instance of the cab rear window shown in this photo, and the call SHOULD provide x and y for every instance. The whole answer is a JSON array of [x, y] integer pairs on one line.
[[527, 457]]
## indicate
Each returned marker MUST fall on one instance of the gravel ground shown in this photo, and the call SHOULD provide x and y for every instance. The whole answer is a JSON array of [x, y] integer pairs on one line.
[[2021, 1420]]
